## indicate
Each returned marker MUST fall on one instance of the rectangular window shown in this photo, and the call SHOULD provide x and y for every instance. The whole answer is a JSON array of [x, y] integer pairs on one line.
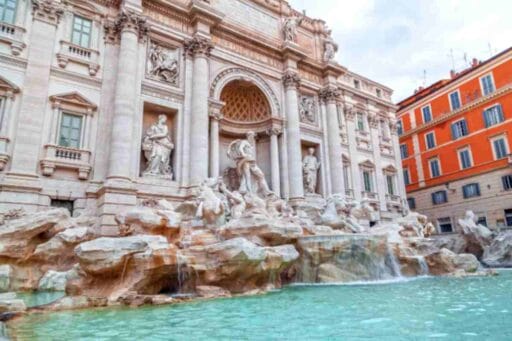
[[499, 146], [482, 220], [404, 151], [357, 85], [507, 182], [367, 179], [455, 100], [67, 204], [70, 130], [459, 129], [493, 116], [379, 93], [412, 203], [487, 84], [360, 122], [390, 180], [430, 140], [435, 169], [8, 11], [427, 114], [439, 197], [407, 178], [399, 127], [508, 217], [471, 190], [465, 158], [445, 225], [81, 31]]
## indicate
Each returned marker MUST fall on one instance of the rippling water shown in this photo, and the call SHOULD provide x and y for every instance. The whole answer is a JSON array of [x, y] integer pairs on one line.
[[450, 309]]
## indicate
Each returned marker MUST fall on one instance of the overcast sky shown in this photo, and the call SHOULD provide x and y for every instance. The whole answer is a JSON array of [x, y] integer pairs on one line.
[[394, 41]]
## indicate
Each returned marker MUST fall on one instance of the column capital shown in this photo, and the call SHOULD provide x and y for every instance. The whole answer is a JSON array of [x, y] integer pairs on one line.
[[198, 46], [291, 79], [48, 11], [111, 33], [373, 120], [216, 115], [329, 94], [350, 113], [393, 126], [274, 131], [128, 21]]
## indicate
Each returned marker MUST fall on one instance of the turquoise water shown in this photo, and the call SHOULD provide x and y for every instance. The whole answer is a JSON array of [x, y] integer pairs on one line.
[[39, 298], [438, 308]]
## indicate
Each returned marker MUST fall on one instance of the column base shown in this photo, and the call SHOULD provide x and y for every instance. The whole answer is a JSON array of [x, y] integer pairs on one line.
[[22, 190]]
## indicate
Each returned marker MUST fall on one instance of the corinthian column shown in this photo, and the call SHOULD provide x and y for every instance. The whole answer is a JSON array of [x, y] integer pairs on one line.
[[131, 27], [329, 95], [274, 159], [199, 48], [214, 144], [291, 82]]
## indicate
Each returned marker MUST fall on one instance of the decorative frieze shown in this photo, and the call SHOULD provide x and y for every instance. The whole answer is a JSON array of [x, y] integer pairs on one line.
[[291, 79], [48, 11], [162, 64], [329, 94], [198, 46]]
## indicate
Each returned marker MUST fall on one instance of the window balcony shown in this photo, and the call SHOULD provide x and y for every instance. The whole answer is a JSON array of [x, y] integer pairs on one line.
[[79, 55], [393, 198], [13, 36], [4, 157], [371, 196], [68, 158]]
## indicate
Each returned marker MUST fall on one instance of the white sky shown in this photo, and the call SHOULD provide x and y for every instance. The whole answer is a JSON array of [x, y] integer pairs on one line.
[[394, 41]]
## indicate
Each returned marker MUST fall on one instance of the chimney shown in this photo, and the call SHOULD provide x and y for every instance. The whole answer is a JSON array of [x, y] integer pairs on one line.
[[474, 62], [453, 74]]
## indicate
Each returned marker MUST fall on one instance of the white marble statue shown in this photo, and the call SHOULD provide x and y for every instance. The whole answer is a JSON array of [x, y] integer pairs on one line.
[[162, 64], [290, 28], [310, 167], [330, 48], [157, 146], [252, 179]]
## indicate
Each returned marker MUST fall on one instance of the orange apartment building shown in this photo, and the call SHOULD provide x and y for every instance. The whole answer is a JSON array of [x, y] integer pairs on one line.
[[455, 143]]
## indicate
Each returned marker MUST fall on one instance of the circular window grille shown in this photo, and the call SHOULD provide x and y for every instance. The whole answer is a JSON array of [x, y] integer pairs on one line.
[[244, 102]]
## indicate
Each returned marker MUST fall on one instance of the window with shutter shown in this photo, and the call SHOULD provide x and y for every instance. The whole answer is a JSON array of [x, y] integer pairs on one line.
[[459, 129], [8, 11], [471, 190], [493, 115], [507, 182]]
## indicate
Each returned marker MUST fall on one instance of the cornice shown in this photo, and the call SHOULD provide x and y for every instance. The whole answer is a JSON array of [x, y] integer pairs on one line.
[[471, 105]]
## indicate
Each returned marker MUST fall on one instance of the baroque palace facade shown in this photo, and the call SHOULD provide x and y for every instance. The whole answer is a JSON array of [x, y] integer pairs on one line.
[[456, 144], [107, 102]]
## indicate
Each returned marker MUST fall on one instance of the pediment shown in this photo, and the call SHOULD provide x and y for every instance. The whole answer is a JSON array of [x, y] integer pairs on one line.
[[367, 164], [73, 99], [7, 86], [390, 168]]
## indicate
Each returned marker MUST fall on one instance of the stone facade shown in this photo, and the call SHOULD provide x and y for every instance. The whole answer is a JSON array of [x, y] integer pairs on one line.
[[84, 82]]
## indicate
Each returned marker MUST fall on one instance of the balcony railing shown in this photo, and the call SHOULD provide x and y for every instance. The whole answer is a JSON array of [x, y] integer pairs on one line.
[[393, 198], [65, 157], [370, 195], [12, 35], [80, 55]]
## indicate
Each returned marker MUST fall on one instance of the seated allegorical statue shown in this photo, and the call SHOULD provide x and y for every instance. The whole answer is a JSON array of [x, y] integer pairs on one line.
[[157, 146]]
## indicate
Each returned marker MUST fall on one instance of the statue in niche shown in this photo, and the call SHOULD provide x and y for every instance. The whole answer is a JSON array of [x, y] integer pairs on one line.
[[290, 28], [307, 109], [252, 179], [157, 146], [310, 167], [330, 48], [162, 64]]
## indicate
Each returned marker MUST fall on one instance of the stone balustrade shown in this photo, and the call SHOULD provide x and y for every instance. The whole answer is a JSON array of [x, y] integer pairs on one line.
[[13, 36], [65, 157], [80, 55], [349, 193], [372, 196]]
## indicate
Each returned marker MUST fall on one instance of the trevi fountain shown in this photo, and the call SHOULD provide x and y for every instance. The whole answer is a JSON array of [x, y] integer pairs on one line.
[[228, 180]]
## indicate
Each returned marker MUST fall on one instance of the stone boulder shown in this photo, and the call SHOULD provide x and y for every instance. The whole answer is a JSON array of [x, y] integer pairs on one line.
[[10, 304], [108, 255], [446, 262], [357, 258], [60, 248], [19, 237], [478, 237], [209, 291], [57, 280], [239, 265], [161, 220], [499, 253], [259, 228]]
